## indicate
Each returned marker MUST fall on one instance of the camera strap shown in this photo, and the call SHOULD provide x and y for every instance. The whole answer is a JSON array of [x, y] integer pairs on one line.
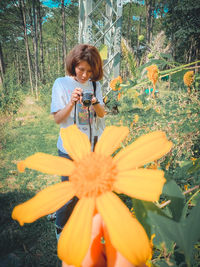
[[95, 137], [75, 113]]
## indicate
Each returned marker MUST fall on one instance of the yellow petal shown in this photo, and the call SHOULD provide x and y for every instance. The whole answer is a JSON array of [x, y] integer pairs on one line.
[[47, 163], [75, 142], [143, 184], [145, 149], [45, 202], [125, 232], [76, 235], [111, 139]]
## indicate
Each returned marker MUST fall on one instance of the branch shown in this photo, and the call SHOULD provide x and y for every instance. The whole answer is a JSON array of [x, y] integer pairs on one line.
[[169, 201]]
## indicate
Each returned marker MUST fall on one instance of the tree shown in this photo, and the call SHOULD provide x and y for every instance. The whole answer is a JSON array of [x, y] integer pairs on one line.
[[24, 24], [182, 25], [2, 66], [150, 6], [35, 42], [41, 40], [63, 31]]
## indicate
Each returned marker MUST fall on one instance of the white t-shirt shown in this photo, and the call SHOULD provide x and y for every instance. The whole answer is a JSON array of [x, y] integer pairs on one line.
[[61, 95]]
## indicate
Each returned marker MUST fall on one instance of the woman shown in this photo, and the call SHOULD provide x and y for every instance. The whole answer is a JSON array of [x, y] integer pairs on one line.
[[84, 69]]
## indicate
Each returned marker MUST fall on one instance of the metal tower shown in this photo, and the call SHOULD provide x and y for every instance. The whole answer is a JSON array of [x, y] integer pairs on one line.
[[100, 24]]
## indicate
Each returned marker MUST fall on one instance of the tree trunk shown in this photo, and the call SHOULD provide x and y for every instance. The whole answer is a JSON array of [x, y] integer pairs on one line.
[[64, 31], [149, 19], [128, 38], [22, 9], [2, 66], [35, 48], [197, 53], [138, 41], [17, 67], [152, 19], [58, 57], [41, 42]]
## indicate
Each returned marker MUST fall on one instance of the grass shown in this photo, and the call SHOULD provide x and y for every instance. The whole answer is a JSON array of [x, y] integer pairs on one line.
[[31, 130]]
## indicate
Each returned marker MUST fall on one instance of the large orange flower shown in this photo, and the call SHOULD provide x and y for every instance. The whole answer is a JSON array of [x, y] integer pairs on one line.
[[188, 78], [115, 83], [93, 176], [152, 73]]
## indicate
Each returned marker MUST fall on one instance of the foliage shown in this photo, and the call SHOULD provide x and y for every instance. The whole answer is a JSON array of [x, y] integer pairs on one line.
[[50, 63], [11, 94], [174, 110], [182, 26]]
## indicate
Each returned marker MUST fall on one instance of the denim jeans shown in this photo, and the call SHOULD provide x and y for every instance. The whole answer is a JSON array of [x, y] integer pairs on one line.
[[63, 214]]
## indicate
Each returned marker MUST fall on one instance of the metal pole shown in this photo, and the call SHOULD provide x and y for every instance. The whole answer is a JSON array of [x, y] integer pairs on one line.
[[100, 24]]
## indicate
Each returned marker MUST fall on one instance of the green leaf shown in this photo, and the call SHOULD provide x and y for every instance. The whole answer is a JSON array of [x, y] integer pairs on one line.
[[174, 193], [141, 209], [185, 233], [141, 214], [151, 62], [167, 56], [195, 167]]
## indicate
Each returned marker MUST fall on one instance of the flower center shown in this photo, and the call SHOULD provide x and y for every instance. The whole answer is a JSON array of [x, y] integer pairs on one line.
[[93, 175]]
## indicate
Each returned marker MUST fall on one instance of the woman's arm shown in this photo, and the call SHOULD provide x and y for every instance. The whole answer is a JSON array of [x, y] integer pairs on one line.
[[99, 109], [64, 113]]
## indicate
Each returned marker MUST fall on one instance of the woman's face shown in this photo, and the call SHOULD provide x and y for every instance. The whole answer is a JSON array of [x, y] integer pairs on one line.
[[83, 72]]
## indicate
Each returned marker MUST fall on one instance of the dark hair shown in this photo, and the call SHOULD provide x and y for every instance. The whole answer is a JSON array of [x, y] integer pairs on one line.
[[88, 53]]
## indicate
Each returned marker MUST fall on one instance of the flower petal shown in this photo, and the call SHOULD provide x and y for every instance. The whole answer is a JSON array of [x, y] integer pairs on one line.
[[76, 235], [125, 232], [45, 202], [111, 139], [47, 163], [145, 149], [75, 142], [143, 184]]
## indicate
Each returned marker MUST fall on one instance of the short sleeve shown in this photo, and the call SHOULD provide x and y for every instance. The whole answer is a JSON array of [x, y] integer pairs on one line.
[[59, 97]]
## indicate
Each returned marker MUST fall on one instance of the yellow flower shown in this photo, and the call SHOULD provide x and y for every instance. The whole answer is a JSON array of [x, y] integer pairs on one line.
[[186, 187], [105, 99], [193, 160], [149, 263], [136, 118], [188, 78], [152, 74], [93, 176], [157, 110], [119, 96], [115, 84]]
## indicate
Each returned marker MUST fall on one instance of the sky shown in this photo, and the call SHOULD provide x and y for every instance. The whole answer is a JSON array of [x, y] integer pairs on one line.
[[51, 3]]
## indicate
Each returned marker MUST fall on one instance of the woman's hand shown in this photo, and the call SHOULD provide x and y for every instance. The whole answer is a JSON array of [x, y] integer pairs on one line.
[[76, 95], [94, 100]]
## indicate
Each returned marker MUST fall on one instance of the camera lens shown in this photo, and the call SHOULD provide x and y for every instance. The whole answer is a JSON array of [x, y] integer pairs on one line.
[[87, 97]]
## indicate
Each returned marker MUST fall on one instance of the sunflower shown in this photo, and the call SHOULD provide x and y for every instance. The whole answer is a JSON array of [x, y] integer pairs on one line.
[[115, 83], [93, 176]]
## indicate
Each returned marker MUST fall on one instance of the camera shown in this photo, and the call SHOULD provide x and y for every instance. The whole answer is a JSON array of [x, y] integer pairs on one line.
[[87, 98]]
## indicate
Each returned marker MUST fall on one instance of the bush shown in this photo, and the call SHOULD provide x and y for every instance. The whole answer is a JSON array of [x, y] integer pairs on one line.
[[11, 94]]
